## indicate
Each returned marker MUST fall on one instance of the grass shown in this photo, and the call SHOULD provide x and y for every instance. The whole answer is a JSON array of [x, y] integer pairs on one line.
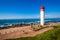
[[53, 34]]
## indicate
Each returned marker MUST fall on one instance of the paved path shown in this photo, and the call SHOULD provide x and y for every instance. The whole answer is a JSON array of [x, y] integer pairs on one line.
[[26, 33]]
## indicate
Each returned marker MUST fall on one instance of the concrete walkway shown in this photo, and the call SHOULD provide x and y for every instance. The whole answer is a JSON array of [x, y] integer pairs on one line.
[[27, 32]]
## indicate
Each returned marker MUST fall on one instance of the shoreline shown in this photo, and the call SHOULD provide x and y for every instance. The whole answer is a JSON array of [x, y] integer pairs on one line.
[[14, 32], [28, 24]]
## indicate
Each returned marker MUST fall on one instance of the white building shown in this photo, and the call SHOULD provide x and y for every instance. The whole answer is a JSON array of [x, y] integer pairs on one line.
[[42, 15]]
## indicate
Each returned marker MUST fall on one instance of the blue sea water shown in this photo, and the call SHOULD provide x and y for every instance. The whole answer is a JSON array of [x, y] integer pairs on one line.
[[23, 21]]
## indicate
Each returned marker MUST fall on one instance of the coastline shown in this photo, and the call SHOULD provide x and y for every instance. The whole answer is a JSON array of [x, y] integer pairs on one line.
[[28, 24], [25, 29], [10, 22]]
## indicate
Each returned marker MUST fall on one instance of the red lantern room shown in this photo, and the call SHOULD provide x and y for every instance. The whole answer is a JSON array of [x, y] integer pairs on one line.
[[42, 8]]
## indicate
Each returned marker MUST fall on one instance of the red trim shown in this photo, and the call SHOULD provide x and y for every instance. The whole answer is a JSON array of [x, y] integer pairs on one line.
[[42, 8]]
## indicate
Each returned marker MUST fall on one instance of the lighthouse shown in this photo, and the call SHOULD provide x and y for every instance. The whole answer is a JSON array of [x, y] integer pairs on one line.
[[42, 15]]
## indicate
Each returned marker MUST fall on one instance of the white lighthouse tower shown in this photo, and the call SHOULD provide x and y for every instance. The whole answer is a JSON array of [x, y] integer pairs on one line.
[[42, 15]]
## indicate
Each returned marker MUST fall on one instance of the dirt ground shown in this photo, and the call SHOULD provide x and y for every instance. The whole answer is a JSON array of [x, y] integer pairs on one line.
[[23, 32]]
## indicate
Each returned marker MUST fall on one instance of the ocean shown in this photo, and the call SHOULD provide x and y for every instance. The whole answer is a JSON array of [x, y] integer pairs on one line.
[[9, 22]]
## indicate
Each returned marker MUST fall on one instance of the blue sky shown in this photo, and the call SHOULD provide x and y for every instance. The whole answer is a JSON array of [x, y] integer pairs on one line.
[[24, 9]]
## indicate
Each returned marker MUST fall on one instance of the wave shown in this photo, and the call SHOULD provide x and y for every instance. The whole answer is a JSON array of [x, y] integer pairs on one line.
[[9, 22]]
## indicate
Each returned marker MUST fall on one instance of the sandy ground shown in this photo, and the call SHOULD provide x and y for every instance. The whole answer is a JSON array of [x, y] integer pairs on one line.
[[26, 33], [19, 32]]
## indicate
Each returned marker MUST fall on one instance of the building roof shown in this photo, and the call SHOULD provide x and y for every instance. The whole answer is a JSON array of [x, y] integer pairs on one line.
[[42, 7]]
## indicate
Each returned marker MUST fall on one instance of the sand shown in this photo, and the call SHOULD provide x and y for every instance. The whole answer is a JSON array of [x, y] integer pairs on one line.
[[18, 32]]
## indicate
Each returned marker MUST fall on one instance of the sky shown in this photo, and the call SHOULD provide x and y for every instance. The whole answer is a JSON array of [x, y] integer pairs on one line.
[[26, 9]]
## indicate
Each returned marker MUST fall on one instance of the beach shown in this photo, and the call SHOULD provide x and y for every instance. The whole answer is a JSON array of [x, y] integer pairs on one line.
[[25, 31]]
